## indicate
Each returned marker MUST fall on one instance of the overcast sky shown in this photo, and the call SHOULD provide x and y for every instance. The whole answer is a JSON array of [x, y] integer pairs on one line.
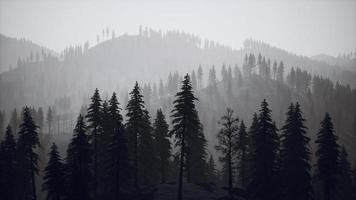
[[303, 27]]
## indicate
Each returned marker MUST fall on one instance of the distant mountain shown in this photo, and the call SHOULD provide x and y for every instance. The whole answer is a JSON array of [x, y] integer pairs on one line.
[[344, 62], [116, 63], [12, 49]]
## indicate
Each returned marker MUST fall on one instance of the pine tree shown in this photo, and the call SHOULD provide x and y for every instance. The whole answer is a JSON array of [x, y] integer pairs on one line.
[[135, 115], [327, 156], [211, 170], [344, 182], [189, 136], [7, 166], [94, 118], [162, 143], [242, 153], [14, 121], [117, 164], [227, 138], [78, 161], [147, 155], [2, 123], [49, 119], [295, 156], [263, 183], [54, 183], [26, 156], [252, 134]]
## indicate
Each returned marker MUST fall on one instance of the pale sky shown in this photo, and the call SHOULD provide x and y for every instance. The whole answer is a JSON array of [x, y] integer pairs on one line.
[[302, 27]]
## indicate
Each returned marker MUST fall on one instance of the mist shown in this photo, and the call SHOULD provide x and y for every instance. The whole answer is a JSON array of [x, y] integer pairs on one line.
[[177, 100]]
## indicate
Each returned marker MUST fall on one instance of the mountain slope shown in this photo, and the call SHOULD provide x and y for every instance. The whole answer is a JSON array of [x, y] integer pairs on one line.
[[12, 49]]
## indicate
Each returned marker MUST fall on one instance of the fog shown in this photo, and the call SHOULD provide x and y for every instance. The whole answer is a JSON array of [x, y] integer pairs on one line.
[[303, 27], [155, 100]]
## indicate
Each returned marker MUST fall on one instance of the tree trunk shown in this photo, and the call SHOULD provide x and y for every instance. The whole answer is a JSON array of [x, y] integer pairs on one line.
[[180, 181]]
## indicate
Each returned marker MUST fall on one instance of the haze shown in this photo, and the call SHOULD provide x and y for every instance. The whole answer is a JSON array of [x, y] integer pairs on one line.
[[302, 27]]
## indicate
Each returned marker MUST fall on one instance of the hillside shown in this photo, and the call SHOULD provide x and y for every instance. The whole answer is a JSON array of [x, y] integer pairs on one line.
[[12, 49]]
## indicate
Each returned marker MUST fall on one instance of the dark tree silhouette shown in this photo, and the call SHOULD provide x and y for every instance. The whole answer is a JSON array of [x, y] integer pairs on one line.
[[227, 138], [327, 156], [263, 180], [242, 154], [117, 164], [295, 156], [189, 136], [162, 143], [344, 182], [94, 118], [78, 161], [14, 122], [54, 182], [26, 156], [7, 166], [49, 119], [135, 115]]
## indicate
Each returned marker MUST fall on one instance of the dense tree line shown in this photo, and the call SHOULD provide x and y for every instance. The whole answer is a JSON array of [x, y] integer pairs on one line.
[[112, 158]]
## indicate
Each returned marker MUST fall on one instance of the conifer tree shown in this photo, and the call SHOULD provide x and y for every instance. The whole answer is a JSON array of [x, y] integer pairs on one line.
[[49, 119], [78, 161], [344, 182], [252, 134], [327, 156], [242, 152], [2, 124], [211, 170], [135, 115], [263, 180], [94, 118], [295, 156], [7, 166], [162, 143], [26, 156], [189, 136], [14, 122], [117, 164], [54, 183], [147, 155], [227, 138]]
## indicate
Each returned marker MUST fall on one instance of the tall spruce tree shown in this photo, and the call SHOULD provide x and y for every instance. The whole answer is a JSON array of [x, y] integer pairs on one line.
[[263, 180], [344, 182], [94, 118], [242, 154], [189, 136], [78, 161], [147, 155], [54, 182], [162, 144], [117, 164], [7, 166], [252, 133], [134, 127], [327, 156], [227, 138], [14, 122], [295, 156], [27, 157]]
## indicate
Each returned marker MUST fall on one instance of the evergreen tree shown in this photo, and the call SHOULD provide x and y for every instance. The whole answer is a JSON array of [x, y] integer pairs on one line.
[[7, 166], [211, 170], [54, 183], [227, 138], [344, 182], [94, 118], [49, 119], [147, 153], [189, 136], [162, 143], [200, 77], [295, 156], [78, 161], [117, 164], [327, 156], [263, 180], [242, 152], [14, 122], [2, 123], [26, 156], [134, 127]]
